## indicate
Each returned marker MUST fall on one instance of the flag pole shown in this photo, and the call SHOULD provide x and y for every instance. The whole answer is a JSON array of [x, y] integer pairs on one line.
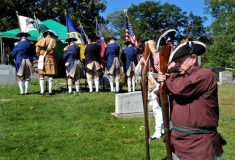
[[36, 22], [125, 12], [96, 23], [65, 13], [18, 20], [84, 33]]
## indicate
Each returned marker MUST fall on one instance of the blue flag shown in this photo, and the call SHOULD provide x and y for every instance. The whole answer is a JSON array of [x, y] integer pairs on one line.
[[71, 27], [74, 32]]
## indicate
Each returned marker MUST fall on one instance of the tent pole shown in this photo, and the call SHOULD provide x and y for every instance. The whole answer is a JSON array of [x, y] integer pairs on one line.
[[1, 51]]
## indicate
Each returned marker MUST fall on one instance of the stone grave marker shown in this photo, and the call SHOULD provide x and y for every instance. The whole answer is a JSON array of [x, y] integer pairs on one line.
[[129, 105], [226, 77], [216, 70], [7, 74]]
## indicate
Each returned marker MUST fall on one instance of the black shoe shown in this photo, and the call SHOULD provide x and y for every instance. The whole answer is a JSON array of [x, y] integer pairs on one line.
[[26, 93], [50, 94]]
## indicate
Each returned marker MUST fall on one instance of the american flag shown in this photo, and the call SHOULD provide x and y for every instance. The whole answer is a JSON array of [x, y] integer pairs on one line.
[[130, 36]]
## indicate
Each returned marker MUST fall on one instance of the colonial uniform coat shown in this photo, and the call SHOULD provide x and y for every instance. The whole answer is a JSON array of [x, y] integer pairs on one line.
[[23, 53], [111, 52], [93, 65], [72, 59], [128, 56], [50, 67], [92, 53]]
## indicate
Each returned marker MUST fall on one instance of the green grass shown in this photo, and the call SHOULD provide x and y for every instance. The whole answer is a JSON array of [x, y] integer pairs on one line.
[[81, 126]]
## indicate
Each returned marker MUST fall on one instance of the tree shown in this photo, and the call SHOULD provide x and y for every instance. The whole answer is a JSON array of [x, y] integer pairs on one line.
[[148, 19], [81, 11], [222, 51]]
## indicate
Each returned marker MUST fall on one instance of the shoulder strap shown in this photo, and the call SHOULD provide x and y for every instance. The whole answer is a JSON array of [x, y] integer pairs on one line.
[[48, 47]]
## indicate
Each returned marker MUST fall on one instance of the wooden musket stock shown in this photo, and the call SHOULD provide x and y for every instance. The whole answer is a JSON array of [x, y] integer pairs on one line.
[[164, 57], [144, 88]]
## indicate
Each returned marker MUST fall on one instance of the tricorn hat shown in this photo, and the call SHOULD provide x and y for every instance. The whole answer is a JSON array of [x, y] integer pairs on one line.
[[49, 32], [166, 37], [141, 45], [93, 37], [110, 38], [187, 48], [22, 34], [127, 43], [71, 39]]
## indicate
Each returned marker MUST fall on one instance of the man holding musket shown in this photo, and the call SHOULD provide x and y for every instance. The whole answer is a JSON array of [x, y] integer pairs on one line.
[[153, 66], [195, 109]]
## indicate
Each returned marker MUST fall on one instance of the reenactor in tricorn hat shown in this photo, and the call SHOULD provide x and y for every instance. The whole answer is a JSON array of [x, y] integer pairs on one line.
[[112, 62], [47, 47], [92, 63], [73, 64], [194, 95], [167, 38], [23, 54], [129, 60]]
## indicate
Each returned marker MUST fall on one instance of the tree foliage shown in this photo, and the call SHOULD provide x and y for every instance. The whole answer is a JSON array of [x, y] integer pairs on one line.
[[222, 51], [81, 11], [148, 19]]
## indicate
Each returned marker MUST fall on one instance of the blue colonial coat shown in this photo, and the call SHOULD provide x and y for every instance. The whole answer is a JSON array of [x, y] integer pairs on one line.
[[111, 52], [70, 55], [92, 53], [128, 56], [23, 50]]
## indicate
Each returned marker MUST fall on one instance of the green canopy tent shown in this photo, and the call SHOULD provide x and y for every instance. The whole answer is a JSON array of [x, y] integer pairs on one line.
[[12, 34], [58, 28]]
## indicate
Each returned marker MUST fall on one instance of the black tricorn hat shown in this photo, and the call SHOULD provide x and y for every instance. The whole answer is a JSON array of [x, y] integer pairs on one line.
[[110, 38], [141, 45], [167, 36], [49, 32], [128, 43], [22, 34], [93, 37], [187, 48], [71, 39]]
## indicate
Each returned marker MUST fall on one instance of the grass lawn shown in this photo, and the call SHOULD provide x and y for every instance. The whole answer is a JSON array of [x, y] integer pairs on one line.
[[81, 126]]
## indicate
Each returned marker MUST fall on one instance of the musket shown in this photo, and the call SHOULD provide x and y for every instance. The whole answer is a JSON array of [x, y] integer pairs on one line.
[[144, 89], [164, 57]]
